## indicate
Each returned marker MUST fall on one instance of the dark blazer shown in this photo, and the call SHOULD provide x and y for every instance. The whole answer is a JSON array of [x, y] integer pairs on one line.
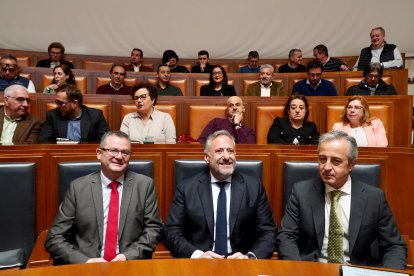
[[362, 89], [130, 67], [27, 129], [46, 63], [276, 89], [190, 222], [281, 132], [197, 68], [303, 226], [93, 125], [77, 232]]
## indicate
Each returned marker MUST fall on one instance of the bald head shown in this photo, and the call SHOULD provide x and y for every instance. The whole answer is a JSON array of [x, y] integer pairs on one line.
[[234, 106]]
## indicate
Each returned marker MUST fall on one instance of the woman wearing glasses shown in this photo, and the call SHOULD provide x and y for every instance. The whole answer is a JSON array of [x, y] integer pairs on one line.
[[218, 84], [62, 74], [148, 125], [356, 121]]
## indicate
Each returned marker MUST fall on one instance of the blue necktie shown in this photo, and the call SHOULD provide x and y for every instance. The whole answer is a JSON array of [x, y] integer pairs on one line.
[[221, 221]]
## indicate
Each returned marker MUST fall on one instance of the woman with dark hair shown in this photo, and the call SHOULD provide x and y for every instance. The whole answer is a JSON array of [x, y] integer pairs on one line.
[[62, 74], [357, 122], [294, 127], [148, 125], [218, 84]]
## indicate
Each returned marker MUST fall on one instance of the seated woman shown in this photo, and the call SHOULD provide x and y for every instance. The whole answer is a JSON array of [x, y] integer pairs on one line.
[[148, 125], [356, 121], [218, 84], [62, 74], [294, 127]]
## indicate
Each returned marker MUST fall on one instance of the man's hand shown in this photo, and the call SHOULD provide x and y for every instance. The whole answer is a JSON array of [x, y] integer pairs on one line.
[[237, 118], [119, 258], [344, 68], [211, 255], [237, 255], [96, 260]]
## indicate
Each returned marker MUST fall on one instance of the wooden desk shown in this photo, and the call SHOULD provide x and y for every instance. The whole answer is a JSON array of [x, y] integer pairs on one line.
[[186, 267]]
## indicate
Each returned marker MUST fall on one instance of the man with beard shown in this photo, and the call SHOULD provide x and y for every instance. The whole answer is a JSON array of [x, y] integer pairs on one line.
[[71, 119], [232, 123], [116, 86], [314, 85], [163, 86], [17, 126], [220, 213], [266, 87]]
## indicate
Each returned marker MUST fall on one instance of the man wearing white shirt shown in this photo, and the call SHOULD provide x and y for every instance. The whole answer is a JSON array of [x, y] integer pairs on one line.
[[220, 213], [266, 87], [336, 218], [380, 51]]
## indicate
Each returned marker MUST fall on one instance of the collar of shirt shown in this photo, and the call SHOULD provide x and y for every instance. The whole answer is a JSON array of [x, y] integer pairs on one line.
[[136, 67], [316, 87], [110, 84], [166, 85], [76, 118], [214, 180], [262, 86], [346, 188], [327, 60], [106, 181], [151, 116], [10, 119]]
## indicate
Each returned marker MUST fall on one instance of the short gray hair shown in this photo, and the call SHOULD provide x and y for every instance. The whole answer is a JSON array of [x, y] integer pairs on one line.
[[8, 91], [340, 135], [214, 135], [267, 66], [116, 133]]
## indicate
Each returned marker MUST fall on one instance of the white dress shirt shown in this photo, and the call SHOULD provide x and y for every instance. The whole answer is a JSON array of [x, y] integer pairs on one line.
[[345, 208]]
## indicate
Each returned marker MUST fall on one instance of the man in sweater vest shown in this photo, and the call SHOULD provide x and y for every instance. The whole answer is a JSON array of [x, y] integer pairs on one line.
[[380, 51]]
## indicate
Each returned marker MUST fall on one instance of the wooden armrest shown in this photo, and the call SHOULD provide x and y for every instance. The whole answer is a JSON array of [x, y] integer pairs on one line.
[[161, 252], [39, 257]]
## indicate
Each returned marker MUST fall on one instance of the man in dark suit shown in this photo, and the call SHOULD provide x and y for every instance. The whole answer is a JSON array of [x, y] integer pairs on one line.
[[266, 87], [17, 126], [337, 218], [220, 213], [137, 56], [71, 119], [86, 230], [56, 56]]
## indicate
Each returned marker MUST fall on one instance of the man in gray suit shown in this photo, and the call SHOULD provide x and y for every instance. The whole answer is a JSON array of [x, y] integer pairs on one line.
[[86, 230], [337, 218]]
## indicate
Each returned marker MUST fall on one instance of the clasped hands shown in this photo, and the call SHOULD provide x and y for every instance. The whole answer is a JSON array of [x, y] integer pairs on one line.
[[212, 255]]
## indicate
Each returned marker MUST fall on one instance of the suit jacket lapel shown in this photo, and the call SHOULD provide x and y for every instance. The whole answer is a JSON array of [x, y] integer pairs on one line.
[[85, 124], [318, 210], [206, 199], [126, 199], [238, 188], [96, 187], [62, 126], [358, 203]]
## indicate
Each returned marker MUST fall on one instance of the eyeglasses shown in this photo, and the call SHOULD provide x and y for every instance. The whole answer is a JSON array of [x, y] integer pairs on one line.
[[59, 103], [356, 107], [140, 97], [115, 152], [20, 99], [373, 76], [8, 67], [217, 73]]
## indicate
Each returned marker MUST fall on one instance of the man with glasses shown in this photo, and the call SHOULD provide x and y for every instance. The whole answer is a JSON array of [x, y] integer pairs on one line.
[[71, 120], [17, 125], [107, 216], [163, 85], [116, 86], [9, 74], [314, 85], [372, 84], [56, 57]]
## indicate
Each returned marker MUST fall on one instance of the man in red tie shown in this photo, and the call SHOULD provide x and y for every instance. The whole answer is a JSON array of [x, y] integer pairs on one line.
[[110, 215]]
